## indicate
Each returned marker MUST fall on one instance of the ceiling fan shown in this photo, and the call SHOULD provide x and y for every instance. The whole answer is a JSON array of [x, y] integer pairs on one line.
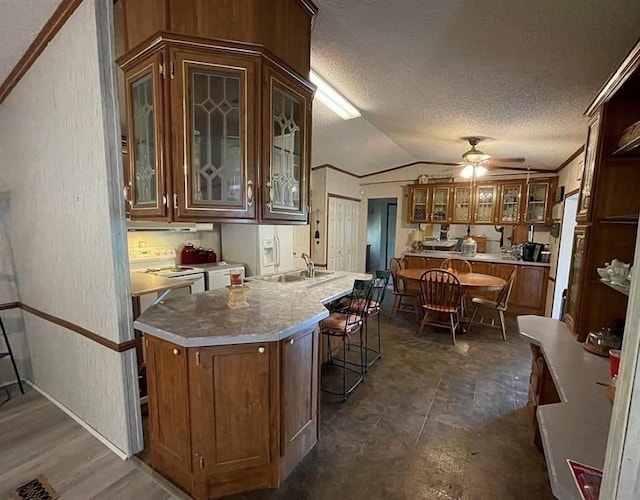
[[477, 162]]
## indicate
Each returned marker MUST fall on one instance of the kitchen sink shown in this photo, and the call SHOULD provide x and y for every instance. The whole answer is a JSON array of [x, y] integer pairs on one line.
[[305, 274], [294, 276]]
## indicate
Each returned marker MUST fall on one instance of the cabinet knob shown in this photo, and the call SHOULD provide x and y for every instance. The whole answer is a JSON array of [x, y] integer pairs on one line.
[[175, 351], [261, 349], [291, 341], [250, 193]]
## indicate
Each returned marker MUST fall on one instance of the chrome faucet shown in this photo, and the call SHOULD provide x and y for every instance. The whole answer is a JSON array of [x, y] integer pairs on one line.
[[311, 268]]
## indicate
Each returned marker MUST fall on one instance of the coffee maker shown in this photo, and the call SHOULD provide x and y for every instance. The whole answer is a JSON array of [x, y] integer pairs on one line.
[[531, 251]]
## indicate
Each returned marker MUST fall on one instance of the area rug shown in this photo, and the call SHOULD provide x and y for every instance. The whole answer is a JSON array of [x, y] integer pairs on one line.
[[36, 489]]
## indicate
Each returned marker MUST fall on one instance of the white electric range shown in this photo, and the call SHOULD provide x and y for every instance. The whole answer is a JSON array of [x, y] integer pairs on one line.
[[161, 261]]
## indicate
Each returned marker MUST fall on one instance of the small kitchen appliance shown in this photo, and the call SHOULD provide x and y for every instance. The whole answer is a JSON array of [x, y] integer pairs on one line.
[[531, 251]]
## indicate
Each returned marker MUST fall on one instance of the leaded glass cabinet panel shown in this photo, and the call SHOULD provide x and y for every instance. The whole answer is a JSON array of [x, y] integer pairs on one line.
[[462, 204], [286, 151], [510, 202], [537, 211], [485, 204], [440, 203], [210, 96], [145, 191]]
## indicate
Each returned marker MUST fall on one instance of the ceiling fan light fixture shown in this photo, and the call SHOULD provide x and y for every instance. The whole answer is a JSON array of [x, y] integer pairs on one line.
[[475, 156], [472, 169]]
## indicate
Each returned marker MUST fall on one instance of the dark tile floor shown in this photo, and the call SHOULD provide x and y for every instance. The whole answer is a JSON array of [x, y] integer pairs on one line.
[[431, 421]]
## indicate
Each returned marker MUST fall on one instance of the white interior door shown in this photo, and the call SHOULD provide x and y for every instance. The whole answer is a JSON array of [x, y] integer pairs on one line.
[[342, 229]]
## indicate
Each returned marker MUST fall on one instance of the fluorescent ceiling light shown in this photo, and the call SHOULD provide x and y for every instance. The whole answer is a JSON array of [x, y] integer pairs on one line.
[[468, 171], [332, 99]]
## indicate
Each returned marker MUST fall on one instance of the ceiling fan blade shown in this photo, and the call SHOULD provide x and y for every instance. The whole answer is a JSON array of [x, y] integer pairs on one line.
[[506, 160], [521, 169]]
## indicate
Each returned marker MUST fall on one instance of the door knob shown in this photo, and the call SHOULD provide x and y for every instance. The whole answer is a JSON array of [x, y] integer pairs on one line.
[[261, 349]]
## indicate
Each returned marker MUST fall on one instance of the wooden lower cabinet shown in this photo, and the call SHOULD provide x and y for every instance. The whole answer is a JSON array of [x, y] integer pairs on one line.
[[542, 391], [228, 419], [529, 292]]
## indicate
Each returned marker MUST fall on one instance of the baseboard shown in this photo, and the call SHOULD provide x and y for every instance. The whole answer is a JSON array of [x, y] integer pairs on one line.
[[13, 382], [75, 417]]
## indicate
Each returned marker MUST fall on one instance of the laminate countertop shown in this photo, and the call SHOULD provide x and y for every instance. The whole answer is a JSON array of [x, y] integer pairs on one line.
[[576, 428], [479, 257], [144, 283], [276, 311]]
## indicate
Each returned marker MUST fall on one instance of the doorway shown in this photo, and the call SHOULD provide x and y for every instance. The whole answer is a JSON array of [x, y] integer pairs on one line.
[[564, 254], [381, 232]]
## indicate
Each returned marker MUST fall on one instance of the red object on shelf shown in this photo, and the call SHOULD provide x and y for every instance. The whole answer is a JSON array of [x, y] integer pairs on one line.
[[211, 256], [614, 362]]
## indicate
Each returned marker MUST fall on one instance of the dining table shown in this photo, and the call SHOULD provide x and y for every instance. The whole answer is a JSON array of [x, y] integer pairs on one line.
[[470, 282]]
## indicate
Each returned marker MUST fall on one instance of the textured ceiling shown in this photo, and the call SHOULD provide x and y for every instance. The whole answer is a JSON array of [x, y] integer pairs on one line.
[[20, 23], [426, 73]]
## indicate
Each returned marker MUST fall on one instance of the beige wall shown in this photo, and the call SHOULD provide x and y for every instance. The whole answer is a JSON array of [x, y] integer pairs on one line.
[[204, 239], [61, 163]]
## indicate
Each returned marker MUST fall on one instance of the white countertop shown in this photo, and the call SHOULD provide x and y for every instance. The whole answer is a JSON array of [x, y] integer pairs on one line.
[[276, 311], [479, 257], [578, 427]]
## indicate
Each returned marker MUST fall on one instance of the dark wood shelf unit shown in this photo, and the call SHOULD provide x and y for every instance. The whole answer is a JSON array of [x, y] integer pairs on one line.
[[609, 203], [618, 288]]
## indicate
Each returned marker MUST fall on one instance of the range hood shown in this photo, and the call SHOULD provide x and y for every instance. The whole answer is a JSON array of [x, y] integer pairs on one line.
[[179, 227]]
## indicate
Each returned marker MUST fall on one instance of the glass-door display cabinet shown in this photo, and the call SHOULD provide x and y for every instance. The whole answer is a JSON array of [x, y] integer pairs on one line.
[[537, 207], [461, 204], [440, 208], [510, 202], [485, 204], [418, 203]]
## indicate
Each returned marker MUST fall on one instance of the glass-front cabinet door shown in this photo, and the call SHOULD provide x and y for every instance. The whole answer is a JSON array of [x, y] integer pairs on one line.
[[485, 204], [461, 204], [510, 202], [213, 110], [440, 209], [418, 203], [537, 204], [146, 189], [572, 305], [588, 173], [286, 130]]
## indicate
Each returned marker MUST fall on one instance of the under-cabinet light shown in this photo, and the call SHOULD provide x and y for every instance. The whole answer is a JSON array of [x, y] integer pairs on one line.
[[332, 98]]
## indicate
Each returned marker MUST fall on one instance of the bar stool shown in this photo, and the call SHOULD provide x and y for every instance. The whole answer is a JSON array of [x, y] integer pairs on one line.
[[344, 323], [9, 353], [378, 290]]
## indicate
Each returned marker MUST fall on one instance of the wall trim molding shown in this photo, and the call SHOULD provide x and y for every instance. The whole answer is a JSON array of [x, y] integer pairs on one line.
[[332, 195], [569, 160], [99, 339], [121, 454], [47, 33]]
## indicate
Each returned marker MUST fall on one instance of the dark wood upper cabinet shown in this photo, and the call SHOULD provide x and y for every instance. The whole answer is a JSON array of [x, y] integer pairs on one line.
[[218, 109], [586, 187], [510, 205]]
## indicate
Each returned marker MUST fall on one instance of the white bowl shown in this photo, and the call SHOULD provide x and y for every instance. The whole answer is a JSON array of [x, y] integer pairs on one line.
[[602, 271]]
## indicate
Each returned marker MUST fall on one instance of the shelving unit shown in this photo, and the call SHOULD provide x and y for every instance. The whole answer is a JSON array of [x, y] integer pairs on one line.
[[609, 204]]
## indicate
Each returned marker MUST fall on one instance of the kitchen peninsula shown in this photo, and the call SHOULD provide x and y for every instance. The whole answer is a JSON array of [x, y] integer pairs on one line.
[[529, 292], [234, 393]]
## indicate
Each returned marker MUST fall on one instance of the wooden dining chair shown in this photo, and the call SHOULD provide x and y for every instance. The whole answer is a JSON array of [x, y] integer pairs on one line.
[[492, 306], [400, 290], [463, 266], [440, 293], [456, 264]]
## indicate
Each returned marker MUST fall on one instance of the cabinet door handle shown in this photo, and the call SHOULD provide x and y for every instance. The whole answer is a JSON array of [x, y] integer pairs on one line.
[[270, 202], [175, 200], [261, 349], [176, 352], [290, 341], [125, 195], [250, 193], [164, 200]]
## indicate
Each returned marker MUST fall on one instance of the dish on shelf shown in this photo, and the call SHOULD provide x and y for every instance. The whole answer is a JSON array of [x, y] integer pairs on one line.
[[618, 272], [630, 138], [602, 272]]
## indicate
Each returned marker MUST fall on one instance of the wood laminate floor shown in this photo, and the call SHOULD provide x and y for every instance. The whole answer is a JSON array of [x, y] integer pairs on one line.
[[431, 421], [36, 438]]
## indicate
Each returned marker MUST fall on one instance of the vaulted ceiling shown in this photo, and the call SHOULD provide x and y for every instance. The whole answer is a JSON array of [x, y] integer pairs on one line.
[[426, 73]]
